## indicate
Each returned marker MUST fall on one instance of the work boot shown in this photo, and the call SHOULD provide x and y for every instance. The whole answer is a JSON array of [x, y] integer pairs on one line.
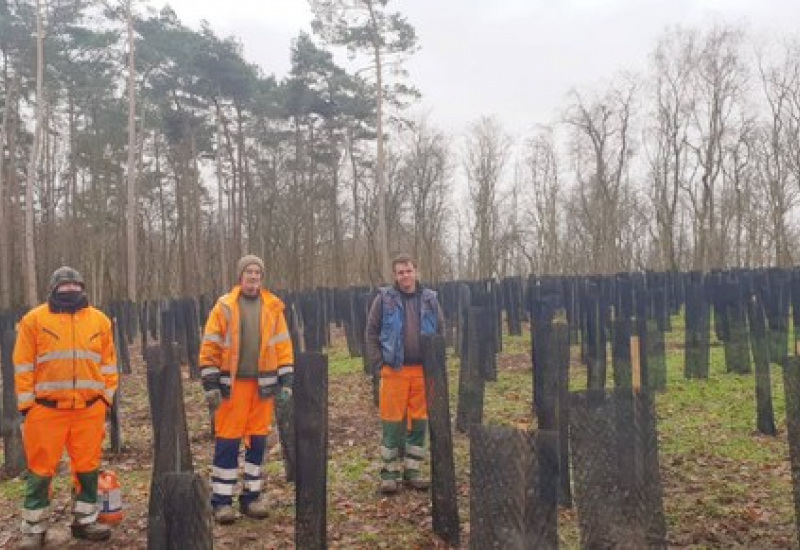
[[91, 531], [388, 486], [31, 541], [418, 483], [224, 515], [256, 509]]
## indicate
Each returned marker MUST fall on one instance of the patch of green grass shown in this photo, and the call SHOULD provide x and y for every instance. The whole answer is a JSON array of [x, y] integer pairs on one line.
[[351, 466], [508, 400], [715, 415], [273, 468], [13, 489], [518, 344], [340, 362]]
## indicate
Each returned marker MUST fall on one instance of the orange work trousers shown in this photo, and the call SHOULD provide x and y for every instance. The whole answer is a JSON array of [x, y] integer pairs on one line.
[[47, 431], [245, 413], [402, 394]]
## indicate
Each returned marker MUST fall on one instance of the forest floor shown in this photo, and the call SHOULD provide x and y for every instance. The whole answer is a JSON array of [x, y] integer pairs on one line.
[[725, 486]]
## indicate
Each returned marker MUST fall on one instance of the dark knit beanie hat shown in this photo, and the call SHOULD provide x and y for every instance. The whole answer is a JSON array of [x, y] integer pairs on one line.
[[64, 274]]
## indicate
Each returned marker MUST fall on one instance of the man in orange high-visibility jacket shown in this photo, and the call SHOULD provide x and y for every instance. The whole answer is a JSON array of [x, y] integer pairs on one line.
[[246, 360], [65, 371]]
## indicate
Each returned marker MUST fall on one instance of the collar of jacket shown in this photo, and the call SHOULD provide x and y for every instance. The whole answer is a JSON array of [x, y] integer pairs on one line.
[[268, 299], [417, 290]]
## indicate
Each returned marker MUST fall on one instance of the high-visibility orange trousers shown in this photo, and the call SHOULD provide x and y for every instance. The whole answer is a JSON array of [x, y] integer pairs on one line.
[[402, 394], [245, 413], [47, 431]]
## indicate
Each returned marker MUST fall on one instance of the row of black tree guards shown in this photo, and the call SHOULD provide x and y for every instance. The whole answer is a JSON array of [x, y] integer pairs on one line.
[[595, 449]]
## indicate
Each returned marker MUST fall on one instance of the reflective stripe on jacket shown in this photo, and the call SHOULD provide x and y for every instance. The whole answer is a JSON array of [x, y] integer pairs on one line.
[[65, 358], [393, 318], [221, 340]]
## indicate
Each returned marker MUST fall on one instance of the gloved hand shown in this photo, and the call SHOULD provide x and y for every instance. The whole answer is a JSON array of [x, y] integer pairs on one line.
[[211, 387], [284, 395], [213, 398]]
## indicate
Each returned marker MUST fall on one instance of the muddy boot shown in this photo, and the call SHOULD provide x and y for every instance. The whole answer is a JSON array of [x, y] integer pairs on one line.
[[418, 483], [91, 531], [35, 511], [84, 509], [415, 454], [224, 515], [256, 509], [388, 487], [31, 541]]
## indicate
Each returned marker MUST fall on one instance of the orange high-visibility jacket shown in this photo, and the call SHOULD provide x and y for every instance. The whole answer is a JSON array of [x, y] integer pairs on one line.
[[221, 340], [66, 359]]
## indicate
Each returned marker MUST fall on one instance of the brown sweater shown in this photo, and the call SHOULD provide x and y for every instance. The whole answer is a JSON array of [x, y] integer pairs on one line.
[[250, 344]]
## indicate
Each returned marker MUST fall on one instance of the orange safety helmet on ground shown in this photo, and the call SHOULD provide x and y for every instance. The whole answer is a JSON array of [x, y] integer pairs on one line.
[[109, 495]]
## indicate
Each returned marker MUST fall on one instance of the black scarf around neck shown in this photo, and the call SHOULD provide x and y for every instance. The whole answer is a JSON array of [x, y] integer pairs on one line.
[[70, 301]]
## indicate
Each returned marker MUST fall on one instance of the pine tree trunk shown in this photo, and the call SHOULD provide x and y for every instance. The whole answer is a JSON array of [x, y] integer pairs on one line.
[[5, 225], [130, 225], [30, 250]]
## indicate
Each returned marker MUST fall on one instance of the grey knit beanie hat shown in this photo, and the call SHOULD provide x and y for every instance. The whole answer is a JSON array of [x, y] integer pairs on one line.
[[247, 260]]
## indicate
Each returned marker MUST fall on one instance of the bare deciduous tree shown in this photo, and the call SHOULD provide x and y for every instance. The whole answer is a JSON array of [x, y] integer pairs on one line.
[[667, 149], [427, 168], [719, 82], [601, 148], [542, 203], [486, 154]]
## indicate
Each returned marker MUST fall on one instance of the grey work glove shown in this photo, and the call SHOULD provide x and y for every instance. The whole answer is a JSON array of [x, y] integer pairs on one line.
[[21, 419], [213, 398], [284, 395], [211, 388]]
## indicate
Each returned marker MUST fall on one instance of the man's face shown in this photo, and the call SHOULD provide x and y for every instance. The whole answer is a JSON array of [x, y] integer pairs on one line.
[[251, 280], [68, 287], [405, 275]]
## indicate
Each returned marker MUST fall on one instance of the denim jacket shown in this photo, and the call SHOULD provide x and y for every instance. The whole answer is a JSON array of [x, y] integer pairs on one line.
[[391, 335]]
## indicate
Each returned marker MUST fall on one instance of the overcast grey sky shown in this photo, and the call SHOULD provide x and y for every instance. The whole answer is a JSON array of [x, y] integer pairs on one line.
[[515, 59]]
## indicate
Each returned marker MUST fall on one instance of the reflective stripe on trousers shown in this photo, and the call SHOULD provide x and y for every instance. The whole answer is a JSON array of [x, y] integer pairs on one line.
[[225, 471]]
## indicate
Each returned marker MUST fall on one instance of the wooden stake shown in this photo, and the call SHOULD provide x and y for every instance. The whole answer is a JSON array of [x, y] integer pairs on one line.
[[636, 363]]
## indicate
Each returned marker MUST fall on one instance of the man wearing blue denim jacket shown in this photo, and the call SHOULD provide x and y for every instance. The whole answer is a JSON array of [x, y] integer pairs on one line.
[[398, 317]]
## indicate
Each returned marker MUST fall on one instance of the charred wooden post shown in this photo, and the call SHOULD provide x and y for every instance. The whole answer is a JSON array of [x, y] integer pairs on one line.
[[286, 429], [615, 465], [443, 488], [171, 452], [471, 384], [765, 414], [697, 337], [550, 357], [13, 449], [187, 512], [311, 436], [513, 502], [791, 388]]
